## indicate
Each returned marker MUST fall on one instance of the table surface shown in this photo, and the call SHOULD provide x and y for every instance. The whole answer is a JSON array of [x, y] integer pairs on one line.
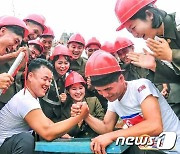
[[74, 145]]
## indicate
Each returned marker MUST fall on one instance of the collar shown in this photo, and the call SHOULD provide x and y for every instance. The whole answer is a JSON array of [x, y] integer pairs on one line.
[[78, 61], [169, 26]]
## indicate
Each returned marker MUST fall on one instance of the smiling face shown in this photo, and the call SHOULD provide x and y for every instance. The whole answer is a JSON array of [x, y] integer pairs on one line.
[[76, 49], [8, 41], [39, 81], [122, 53], [142, 28], [91, 49], [77, 92], [34, 31], [61, 65], [34, 53], [47, 43]]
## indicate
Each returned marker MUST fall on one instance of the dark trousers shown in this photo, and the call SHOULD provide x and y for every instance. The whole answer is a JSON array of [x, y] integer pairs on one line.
[[22, 143]]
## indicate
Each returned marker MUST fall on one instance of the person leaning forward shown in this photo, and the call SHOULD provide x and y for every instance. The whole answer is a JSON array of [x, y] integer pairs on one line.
[[25, 112], [133, 101]]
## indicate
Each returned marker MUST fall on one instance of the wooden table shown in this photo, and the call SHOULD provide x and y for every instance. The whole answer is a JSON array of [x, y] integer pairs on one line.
[[74, 145]]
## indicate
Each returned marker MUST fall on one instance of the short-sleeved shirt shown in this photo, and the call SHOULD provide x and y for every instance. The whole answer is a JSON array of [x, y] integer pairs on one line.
[[13, 113], [129, 107]]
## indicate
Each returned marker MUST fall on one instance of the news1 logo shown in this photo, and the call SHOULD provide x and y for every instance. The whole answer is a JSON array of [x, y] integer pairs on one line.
[[165, 141]]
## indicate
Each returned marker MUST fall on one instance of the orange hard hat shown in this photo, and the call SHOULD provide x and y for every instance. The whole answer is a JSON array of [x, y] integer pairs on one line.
[[100, 63], [73, 78], [36, 42], [77, 38], [121, 43], [10, 20], [48, 32], [125, 9], [60, 50], [108, 47], [37, 18], [93, 40]]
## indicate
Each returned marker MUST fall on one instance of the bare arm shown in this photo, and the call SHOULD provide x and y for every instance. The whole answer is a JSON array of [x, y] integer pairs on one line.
[[152, 125], [107, 125], [48, 129]]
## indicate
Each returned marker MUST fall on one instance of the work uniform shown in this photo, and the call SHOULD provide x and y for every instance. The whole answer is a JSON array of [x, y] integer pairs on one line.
[[164, 73]]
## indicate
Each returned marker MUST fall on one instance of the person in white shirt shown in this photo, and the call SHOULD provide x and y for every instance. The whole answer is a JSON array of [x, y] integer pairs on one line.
[[138, 103], [23, 113]]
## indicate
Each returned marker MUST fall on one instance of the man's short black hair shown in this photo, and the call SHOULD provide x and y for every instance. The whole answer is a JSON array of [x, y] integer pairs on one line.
[[16, 29], [37, 63], [102, 80]]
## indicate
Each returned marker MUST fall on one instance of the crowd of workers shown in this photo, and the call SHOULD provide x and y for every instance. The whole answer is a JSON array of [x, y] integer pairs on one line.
[[115, 91]]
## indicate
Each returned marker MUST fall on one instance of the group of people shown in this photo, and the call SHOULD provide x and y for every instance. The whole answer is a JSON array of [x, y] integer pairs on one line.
[[65, 95]]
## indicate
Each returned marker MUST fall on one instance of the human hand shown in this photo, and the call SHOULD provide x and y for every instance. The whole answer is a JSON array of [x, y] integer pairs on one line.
[[76, 109], [63, 97], [5, 81], [66, 136], [165, 91], [99, 143], [160, 48], [144, 60]]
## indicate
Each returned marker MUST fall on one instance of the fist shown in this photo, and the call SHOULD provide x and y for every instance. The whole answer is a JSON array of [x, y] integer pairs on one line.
[[63, 97], [5, 80]]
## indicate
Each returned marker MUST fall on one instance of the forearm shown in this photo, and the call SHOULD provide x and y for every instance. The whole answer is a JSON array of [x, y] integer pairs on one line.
[[58, 129], [7, 57], [97, 125], [143, 128]]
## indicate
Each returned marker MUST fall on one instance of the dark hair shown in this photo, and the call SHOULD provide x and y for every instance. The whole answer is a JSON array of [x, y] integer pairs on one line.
[[46, 36], [84, 85], [56, 58], [36, 23], [102, 80], [37, 63], [16, 29], [36, 46], [158, 15]]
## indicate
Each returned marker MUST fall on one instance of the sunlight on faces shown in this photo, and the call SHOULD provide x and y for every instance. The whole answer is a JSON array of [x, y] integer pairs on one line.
[[34, 31], [141, 28], [76, 49], [40, 81], [113, 90], [91, 49], [62, 65], [9, 41], [77, 92], [47, 43], [122, 53]]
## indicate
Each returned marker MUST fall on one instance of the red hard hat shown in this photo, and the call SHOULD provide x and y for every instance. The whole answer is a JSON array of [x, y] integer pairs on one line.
[[76, 38], [37, 18], [125, 9], [10, 20], [73, 78], [36, 42], [100, 63], [93, 40], [108, 47], [121, 43], [60, 50], [48, 32]]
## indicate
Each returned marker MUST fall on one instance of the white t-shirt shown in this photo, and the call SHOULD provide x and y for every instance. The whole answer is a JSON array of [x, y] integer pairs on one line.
[[129, 107], [13, 113]]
